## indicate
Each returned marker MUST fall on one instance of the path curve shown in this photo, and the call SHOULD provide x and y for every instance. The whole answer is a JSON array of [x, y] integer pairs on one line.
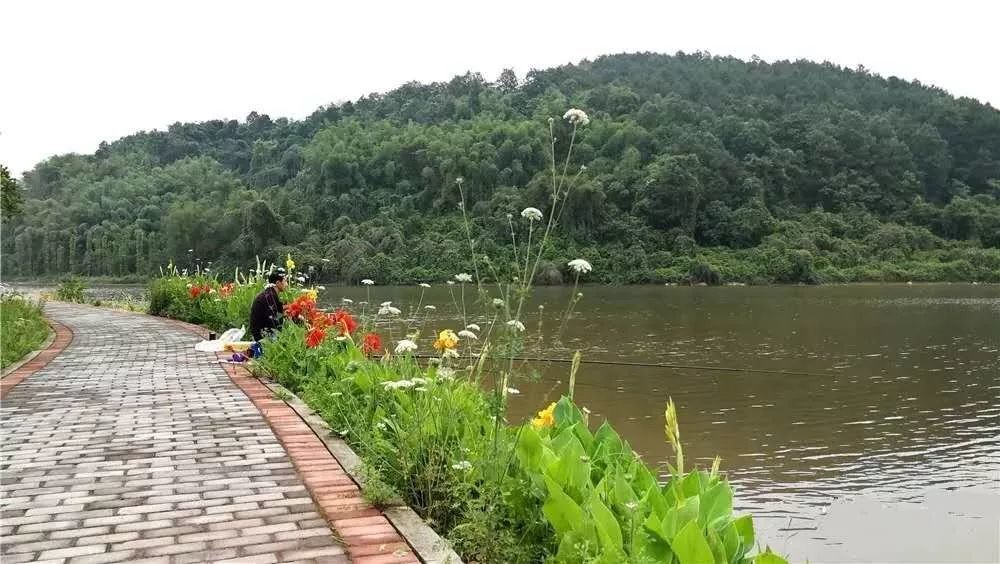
[[131, 446]]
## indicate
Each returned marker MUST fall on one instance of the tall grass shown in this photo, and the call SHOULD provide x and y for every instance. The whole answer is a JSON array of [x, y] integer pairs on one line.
[[22, 328]]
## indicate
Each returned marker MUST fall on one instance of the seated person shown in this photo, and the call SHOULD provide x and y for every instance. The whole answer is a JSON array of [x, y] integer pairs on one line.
[[267, 310]]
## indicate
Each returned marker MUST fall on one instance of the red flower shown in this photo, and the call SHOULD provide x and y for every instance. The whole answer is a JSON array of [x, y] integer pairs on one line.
[[345, 321], [303, 307], [321, 320], [314, 337], [371, 343], [194, 291], [226, 290]]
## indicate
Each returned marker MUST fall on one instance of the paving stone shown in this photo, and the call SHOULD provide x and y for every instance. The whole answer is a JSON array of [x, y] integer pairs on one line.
[[126, 448], [72, 551]]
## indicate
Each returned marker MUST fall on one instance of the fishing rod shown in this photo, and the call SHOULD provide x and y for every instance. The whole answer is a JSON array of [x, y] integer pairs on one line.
[[655, 365]]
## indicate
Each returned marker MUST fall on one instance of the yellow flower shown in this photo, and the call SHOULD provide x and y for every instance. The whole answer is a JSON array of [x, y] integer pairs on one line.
[[313, 293], [447, 339], [289, 264], [545, 418]]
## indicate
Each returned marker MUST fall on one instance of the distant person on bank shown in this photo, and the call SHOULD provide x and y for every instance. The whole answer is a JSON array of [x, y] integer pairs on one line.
[[267, 309]]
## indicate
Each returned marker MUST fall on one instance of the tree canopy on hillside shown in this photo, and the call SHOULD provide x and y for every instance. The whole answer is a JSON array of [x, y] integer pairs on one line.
[[698, 167]]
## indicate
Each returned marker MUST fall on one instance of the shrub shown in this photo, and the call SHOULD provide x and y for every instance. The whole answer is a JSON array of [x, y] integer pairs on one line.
[[71, 290]]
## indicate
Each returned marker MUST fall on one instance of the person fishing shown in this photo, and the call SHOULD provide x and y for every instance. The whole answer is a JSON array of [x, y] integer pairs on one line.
[[267, 311]]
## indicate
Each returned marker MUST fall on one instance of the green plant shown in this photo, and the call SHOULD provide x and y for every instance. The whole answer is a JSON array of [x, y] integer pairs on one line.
[[374, 489], [606, 506], [22, 328], [71, 290]]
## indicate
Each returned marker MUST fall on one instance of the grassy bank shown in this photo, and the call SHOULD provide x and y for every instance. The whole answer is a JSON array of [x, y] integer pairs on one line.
[[558, 488], [23, 328]]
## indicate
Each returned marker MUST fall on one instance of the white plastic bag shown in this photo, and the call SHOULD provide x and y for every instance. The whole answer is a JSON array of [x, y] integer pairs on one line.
[[218, 345], [233, 335]]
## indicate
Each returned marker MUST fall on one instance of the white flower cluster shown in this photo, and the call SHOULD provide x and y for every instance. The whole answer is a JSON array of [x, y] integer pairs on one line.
[[515, 325], [532, 214], [463, 277], [405, 346], [576, 116], [462, 465], [580, 266], [388, 309], [398, 384], [424, 285], [466, 334], [368, 282]]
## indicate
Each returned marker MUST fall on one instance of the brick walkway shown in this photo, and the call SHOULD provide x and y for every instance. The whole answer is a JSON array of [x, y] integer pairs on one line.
[[129, 445]]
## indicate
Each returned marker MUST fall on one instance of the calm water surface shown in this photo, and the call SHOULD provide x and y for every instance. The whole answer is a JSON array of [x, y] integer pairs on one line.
[[883, 446]]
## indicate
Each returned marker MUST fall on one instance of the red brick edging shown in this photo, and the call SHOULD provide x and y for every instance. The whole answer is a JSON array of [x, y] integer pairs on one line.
[[64, 336], [368, 535]]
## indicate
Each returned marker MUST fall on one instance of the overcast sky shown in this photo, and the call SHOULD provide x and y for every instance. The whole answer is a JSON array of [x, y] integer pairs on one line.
[[76, 73]]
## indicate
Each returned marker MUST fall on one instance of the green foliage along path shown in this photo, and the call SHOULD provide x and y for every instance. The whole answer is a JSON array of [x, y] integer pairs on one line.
[[700, 169], [22, 328]]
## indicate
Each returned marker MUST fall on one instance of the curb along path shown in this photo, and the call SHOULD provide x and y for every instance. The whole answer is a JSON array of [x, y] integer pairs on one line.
[[128, 445]]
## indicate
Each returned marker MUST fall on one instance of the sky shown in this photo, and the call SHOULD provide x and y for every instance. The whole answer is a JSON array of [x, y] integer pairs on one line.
[[78, 73]]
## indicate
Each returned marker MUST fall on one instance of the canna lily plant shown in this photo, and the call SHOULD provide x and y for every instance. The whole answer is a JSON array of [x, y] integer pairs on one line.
[[605, 505]]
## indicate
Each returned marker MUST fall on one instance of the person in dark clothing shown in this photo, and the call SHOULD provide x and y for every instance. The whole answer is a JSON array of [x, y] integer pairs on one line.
[[267, 310]]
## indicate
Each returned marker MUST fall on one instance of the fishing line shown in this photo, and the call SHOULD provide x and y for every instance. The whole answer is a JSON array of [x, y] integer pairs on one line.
[[657, 365]]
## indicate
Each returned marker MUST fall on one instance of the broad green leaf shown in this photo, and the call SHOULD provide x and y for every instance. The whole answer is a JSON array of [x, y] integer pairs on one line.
[[607, 524], [678, 517], [363, 381], [607, 438], [731, 543], [566, 413], [572, 469], [690, 545], [642, 478], [562, 512], [586, 438], [529, 449], [715, 544], [744, 528], [690, 486], [561, 440], [651, 548], [623, 492], [716, 504], [655, 527], [654, 500]]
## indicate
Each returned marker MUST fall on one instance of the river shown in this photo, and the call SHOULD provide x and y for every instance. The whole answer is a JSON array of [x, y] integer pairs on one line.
[[879, 442], [857, 423]]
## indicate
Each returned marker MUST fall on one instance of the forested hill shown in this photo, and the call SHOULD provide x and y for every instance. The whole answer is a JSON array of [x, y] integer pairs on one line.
[[698, 168]]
